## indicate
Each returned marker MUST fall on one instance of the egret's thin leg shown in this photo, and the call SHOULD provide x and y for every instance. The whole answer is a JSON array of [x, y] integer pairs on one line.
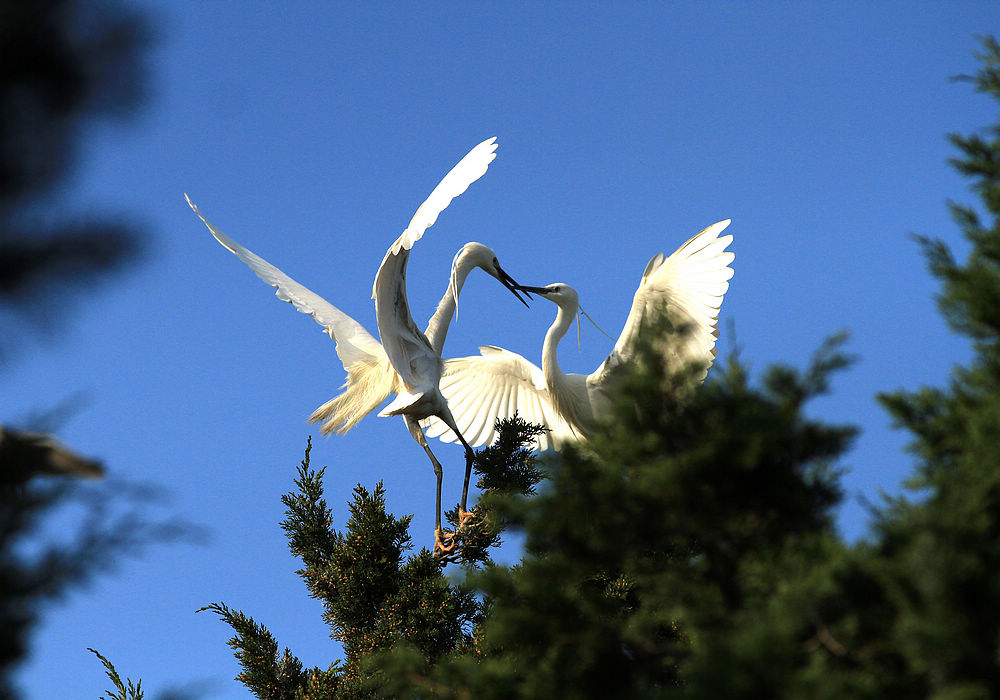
[[463, 513], [438, 473], [418, 435], [439, 543], [449, 420]]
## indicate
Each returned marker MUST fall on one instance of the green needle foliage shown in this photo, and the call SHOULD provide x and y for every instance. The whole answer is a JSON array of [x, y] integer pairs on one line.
[[376, 596], [266, 673], [654, 551], [506, 468], [944, 545], [688, 548], [124, 690]]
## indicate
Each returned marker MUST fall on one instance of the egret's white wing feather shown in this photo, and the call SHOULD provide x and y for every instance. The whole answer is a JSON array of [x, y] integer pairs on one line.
[[689, 284], [482, 421], [472, 167], [408, 349], [354, 343], [481, 390]]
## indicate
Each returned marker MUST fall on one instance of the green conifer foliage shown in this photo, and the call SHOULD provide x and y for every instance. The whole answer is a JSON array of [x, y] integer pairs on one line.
[[377, 598], [654, 550], [124, 690], [943, 546]]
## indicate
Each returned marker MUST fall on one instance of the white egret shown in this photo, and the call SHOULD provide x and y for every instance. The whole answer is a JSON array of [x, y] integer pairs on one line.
[[689, 284], [406, 362]]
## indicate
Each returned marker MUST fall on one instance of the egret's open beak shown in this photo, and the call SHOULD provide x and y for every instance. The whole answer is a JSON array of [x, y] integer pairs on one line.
[[535, 290], [513, 286]]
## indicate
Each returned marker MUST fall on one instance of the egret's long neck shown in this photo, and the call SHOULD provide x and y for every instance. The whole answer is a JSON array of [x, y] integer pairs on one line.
[[569, 392], [437, 326], [554, 376]]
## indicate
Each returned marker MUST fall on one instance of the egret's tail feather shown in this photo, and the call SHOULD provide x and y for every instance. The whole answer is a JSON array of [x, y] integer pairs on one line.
[[368, 385]]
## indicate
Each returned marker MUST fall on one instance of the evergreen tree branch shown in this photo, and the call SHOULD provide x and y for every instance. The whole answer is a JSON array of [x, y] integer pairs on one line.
[[123, 691], [266, 674]]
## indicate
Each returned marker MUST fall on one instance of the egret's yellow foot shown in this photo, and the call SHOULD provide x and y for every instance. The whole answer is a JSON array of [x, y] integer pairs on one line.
[[440, 546], [464, 515]]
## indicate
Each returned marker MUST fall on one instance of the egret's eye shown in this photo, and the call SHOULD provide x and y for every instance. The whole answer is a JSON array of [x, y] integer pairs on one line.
[[556, 289]]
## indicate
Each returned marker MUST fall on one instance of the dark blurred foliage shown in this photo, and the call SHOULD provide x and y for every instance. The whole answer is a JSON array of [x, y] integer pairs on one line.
[[64, 65], [941, 548], [99, 524], [25, 455]]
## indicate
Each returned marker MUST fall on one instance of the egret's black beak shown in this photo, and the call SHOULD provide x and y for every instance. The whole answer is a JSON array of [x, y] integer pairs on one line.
[[513, 286], [535, 290]]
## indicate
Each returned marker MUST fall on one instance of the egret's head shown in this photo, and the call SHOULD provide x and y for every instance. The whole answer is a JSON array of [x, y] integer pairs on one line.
[[558, 293], [565, 297], [473, 255]]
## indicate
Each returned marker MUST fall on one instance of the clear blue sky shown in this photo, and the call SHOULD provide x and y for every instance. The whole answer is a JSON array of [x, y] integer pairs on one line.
[[310, 132]]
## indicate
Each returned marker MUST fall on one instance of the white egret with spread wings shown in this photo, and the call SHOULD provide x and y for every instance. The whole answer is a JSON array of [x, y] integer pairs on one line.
[[689, 285], [407, 362]]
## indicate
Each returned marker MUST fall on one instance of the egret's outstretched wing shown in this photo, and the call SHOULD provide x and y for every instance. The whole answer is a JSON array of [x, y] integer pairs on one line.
[[482, 389], [469, 169], [689, 285], [409, 352], [354, 344]]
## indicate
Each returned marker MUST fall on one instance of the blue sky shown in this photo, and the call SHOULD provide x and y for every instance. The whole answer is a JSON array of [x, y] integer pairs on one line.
[[310, 132]]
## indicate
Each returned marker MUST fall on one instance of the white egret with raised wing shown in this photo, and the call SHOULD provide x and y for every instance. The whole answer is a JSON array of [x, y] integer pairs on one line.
[[689, 285], [407, 362]]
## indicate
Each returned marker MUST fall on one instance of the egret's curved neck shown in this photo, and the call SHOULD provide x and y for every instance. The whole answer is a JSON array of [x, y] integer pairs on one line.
[[554, 376], [437, 326]]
